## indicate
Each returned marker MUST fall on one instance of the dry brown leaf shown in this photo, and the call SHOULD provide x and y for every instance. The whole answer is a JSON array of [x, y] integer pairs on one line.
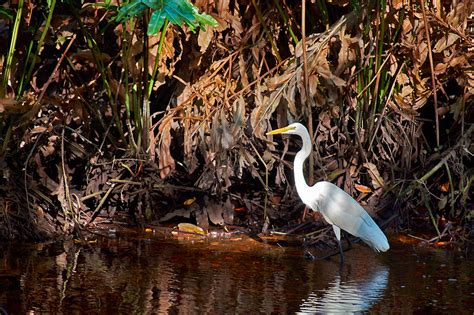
[[166, 161], [403, 79], [393, 61], [362, 188], [407, 26], [227, 139], [398, 4], [313, 84], [445, 42], [215, 213], [440, 68], [459, 60], [377, 180], [204, 38], [228, 212], [243, 70], [38, 129], [276, 82], [421, 53], [202, 218]]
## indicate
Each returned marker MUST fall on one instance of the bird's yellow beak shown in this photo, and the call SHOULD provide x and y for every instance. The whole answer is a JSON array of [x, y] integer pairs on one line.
[[280, 130]]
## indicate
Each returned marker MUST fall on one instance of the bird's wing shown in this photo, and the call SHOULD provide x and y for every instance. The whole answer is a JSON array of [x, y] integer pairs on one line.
[[340, 209]]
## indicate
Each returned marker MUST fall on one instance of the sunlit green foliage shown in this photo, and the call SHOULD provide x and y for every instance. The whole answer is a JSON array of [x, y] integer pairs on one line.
[[178, 12]]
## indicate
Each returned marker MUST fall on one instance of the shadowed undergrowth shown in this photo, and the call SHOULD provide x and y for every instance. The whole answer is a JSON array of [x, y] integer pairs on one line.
[[106, 112]]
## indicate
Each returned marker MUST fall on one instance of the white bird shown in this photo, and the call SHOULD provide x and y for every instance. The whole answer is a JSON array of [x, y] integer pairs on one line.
[[337, 207]]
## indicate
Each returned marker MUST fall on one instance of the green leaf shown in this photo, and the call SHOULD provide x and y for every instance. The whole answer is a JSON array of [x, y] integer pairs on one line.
[[156, 22], [131, 10], [206, 19], [178, 12], [6, 12], [154, 4]]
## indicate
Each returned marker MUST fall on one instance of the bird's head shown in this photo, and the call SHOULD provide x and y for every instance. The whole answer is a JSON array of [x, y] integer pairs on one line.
[[292, 129]]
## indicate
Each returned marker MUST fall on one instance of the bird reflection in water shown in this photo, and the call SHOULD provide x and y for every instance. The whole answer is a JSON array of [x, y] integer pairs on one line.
[[348, 295]]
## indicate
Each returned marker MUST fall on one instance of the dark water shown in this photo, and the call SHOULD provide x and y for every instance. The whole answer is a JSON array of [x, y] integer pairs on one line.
[[152, 275]]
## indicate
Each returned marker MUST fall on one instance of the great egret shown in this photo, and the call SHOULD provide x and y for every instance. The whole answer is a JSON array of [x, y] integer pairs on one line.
[[337, 207]]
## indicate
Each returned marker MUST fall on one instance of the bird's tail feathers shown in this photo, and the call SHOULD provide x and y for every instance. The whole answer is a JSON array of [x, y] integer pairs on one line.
[[371, 234]]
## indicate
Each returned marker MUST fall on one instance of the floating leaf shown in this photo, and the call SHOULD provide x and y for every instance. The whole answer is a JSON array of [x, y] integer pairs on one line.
[[190, 228]]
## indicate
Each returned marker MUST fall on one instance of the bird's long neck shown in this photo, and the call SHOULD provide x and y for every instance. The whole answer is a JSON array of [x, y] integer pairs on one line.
[[300, 181]]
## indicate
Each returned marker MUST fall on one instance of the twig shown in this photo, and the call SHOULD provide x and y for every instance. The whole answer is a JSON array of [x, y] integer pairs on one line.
[[433, 79], [375, 76], [176, 187], [101, 203], [309, 99], [25, 169], [37, 104], [266, 220], [65, 182], [418, 238]]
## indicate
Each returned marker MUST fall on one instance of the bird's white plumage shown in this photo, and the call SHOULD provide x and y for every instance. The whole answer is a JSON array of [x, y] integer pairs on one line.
[[337, 207]]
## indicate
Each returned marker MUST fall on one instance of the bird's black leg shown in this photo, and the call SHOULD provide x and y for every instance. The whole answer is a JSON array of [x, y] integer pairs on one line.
[[348, 239], [337, 231], [341, 252]]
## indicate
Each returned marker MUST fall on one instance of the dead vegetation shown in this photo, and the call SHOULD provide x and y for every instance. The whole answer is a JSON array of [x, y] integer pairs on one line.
[[386, 91]]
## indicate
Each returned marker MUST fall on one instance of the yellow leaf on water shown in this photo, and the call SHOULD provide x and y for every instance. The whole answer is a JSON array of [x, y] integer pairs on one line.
[[190, 228]]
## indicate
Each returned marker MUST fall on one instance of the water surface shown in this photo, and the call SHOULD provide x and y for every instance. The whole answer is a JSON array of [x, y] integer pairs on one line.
[[155, 275]]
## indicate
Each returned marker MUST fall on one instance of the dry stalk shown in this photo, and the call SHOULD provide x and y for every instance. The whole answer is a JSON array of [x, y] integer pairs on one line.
[[67, 212], [101, 203], [433, 79], [308, 97]]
